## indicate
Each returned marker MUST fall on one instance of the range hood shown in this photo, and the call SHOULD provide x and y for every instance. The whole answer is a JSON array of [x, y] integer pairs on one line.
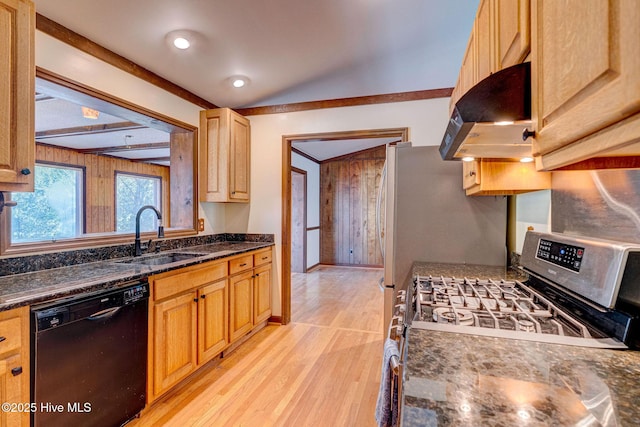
[[489, 120]]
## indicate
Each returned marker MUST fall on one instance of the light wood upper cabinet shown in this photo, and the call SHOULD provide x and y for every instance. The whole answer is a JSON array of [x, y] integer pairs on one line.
[[492, 177], [14, 365], [585, 80], [17, 96], [512, 33], [500, 38], [225, 143]]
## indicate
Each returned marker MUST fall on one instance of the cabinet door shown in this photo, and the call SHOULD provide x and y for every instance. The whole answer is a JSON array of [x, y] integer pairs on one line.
[[17, 97], [512, 32], [174, 350], [241, 305], [240, 158], [213, 314], [262, 294], [11, 392], [482, 28], [585, 71], [225, 142]]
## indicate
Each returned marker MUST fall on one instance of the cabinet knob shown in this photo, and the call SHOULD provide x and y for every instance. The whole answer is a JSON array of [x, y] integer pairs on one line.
[[25, 171], [2, 339], [195, 300], [16, 371], [528, 133], [233, 192], [243, 265], [472, 173], [202, 296], [257, 274]]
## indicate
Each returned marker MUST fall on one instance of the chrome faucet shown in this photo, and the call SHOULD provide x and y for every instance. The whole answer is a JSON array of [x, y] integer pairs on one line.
[[137, 247]]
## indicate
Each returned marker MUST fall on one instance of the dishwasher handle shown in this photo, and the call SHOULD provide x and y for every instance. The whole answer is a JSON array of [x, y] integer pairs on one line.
[[104, 314]]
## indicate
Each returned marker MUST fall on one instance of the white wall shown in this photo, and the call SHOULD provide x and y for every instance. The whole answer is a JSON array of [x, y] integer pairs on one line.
[[426, 120], [313, 205], [60, 58]]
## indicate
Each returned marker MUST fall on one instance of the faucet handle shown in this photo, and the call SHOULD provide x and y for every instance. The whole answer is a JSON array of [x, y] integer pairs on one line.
[[160, 232]]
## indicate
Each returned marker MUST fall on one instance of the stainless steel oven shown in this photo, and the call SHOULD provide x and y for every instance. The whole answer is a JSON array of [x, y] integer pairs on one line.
[[580, 291]]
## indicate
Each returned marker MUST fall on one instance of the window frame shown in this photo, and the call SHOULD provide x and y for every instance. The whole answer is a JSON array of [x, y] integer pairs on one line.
[[80, 208], [161, 184], [98, 99]]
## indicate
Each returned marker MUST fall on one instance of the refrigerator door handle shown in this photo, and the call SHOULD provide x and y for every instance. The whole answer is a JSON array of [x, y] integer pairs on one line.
[[383, 179]]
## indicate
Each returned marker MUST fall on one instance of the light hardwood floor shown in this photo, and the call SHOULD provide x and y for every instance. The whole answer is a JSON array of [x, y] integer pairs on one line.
[[323, 369]]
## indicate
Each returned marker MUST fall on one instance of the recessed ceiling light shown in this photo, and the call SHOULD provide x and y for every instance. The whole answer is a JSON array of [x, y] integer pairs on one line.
[[239, 81], [526, 160], [468, 159], [181, 43], [182, 39]]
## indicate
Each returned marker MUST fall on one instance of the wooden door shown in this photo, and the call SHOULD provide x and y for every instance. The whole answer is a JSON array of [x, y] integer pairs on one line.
[[262, 294], [241, 305], [175, 343], [17, 97], [213, 323], [298, 220], [585, 70], [482, 32], [512, 32], [11, 392], [240, 160]]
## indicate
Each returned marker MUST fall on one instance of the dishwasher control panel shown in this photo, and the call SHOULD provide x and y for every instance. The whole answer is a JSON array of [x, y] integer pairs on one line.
[[135, 293]]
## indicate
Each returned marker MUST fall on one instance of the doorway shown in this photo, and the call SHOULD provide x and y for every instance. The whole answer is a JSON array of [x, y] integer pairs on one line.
[[298, 220], [396, 134]]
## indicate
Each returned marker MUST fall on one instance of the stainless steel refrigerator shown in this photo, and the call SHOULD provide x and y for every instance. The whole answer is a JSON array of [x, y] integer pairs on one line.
[[426, 216]]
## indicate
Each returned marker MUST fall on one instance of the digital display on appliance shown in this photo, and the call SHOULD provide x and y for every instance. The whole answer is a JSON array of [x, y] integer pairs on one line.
[[563, 255]]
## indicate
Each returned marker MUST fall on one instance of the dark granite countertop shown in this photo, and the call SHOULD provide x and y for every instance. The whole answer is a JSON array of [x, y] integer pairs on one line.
[[454, 379], [29, 288]]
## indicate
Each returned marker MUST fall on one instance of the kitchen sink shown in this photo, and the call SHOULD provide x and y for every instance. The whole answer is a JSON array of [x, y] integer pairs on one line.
[[162, 259]]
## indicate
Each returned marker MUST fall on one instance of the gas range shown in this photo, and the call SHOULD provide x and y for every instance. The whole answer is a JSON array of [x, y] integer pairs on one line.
[[560, 302]]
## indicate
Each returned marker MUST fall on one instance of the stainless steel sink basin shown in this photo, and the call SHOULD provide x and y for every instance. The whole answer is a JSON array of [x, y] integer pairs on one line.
[[162, 259]]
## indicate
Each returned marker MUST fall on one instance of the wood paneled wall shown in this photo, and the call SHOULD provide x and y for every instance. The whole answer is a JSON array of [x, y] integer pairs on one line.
[[348, 191], [100, 182]]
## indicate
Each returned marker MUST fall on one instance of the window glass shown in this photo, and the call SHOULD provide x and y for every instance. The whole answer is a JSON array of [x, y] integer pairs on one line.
[[54, 210], [132, 193]]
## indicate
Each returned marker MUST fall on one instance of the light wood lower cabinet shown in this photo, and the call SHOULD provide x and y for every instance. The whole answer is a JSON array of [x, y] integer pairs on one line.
[[250, 298], [14, 365], [187, 325], [175, 335], [262, 293], [241, 314], [213, 327], [198, 311]]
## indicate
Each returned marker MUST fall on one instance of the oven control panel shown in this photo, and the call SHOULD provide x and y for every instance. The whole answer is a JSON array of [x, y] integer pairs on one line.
[[561, 254]]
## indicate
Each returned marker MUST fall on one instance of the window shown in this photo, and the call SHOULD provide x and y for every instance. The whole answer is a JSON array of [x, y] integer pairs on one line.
[[54, 210], [133, 192]]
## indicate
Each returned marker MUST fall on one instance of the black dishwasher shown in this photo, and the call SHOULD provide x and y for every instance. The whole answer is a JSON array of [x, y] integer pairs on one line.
[[89, 358]]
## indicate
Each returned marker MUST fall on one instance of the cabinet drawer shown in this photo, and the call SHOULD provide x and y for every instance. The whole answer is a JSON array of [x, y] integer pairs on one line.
[[263, 257], [181, 282], [11, 331], [240, 264]]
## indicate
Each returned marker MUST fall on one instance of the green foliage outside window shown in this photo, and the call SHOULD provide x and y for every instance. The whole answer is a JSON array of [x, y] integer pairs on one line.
[[52, 211], [133, 192]]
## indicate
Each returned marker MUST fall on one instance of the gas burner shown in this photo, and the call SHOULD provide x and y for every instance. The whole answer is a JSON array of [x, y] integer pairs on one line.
[[453, 315], [524, 325]]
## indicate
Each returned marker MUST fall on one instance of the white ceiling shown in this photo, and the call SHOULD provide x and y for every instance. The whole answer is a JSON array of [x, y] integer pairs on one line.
[[291, 50]]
